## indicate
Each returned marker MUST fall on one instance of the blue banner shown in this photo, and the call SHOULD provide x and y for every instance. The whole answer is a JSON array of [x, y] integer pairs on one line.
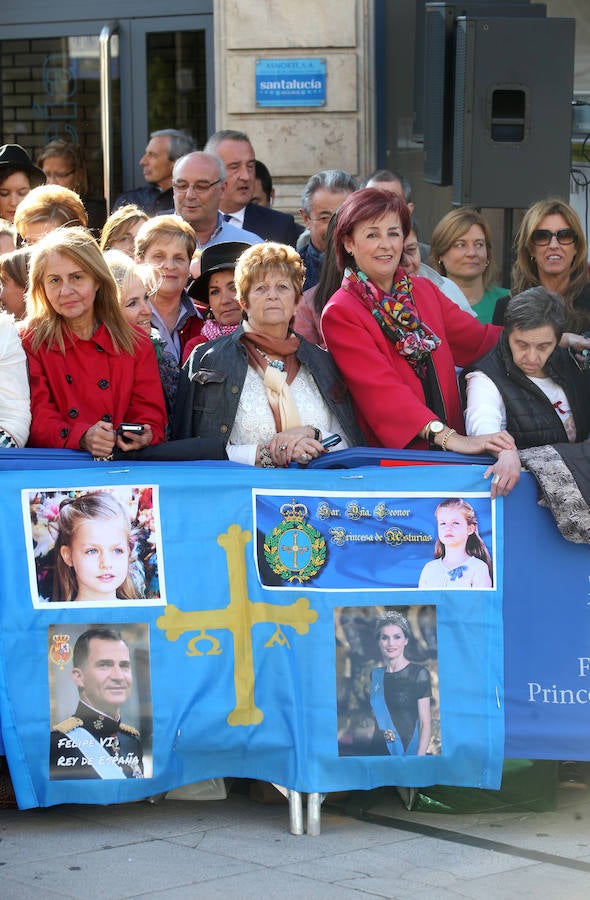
[[164, 624], [547, 633]]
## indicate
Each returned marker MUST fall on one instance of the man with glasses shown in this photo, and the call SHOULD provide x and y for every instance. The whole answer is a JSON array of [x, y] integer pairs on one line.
[[198, 185], [324, 194], [163, 149]]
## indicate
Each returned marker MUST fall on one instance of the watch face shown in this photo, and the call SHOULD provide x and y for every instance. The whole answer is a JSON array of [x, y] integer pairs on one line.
[[435, 427]]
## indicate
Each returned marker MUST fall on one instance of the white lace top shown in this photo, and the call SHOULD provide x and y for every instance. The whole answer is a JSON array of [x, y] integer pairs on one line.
[[255, 424]]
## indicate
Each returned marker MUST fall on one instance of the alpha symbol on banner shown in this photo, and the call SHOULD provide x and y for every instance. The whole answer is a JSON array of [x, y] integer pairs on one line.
[[239, 617]]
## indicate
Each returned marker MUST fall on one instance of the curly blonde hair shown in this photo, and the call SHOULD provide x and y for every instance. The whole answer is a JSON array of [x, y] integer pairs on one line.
[[258, 259]]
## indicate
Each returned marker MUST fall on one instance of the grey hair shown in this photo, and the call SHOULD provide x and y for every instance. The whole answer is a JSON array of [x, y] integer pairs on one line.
[[222, 174], [336, 180], [381, 176], [393, 617], [226, 134], [535, 308], [180, 143]]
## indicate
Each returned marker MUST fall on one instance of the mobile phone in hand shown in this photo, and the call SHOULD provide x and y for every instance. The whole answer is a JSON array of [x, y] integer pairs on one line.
[[330, 441], [128, 428]]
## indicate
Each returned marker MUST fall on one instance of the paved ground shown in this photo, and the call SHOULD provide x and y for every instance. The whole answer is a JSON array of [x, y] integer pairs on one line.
[[239, 848]]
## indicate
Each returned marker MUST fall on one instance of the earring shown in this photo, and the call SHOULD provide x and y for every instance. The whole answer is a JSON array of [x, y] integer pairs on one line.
[[487, 263]]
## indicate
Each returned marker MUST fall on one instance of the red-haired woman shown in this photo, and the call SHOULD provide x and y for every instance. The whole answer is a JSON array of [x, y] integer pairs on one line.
[[397, 339]]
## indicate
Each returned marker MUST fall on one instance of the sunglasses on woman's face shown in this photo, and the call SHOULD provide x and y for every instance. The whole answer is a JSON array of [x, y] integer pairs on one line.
[[542, 236]]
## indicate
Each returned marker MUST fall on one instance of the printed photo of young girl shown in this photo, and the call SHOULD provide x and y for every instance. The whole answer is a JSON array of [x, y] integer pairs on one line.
[[94, 547], [461, 558], [93, 550]]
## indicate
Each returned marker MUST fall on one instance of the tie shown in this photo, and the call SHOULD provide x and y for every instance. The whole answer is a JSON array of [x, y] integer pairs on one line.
[[227, 217]]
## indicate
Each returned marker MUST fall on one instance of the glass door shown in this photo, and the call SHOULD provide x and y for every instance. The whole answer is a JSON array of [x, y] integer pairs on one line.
[[106, 86], [171, 81], [51, 88]]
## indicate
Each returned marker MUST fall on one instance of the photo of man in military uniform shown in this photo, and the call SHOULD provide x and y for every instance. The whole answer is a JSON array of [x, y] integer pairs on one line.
[[94, 742]]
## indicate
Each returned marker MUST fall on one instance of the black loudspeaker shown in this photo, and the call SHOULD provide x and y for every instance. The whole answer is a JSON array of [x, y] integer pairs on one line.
[[435, 109], [513, 112]]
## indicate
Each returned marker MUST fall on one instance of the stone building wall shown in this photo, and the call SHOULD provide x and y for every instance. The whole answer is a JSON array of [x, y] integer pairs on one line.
[[295, 142]]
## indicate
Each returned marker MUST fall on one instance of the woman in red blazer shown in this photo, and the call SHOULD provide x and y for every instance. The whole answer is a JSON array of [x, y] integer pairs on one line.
[[89, 370], [397, 339]]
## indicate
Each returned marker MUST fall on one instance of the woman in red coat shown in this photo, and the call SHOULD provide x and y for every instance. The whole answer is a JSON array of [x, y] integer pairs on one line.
[[396, 339], [89, 370]]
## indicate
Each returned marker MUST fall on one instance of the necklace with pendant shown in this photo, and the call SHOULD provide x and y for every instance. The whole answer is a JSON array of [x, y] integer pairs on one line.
[[273, 363]]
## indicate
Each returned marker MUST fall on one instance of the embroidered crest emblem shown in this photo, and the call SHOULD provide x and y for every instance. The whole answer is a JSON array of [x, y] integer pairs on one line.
[[295, 550]]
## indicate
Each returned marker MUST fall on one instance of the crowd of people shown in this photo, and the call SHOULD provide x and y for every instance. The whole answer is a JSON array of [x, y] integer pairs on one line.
[[195, 313], [194, 320]]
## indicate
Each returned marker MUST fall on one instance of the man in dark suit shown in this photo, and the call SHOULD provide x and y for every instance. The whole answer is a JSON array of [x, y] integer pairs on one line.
[[237, 154], [94, 742]]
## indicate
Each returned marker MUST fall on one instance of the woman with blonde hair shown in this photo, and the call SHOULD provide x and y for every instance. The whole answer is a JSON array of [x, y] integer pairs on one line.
[[273, 394], [90, 371], [45, 208], [551, 251], [167, 243], [461, 249], [137, 285], [120, 229]]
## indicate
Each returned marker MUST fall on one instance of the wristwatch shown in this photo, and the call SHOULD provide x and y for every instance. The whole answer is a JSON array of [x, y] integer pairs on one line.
[[432, 429]]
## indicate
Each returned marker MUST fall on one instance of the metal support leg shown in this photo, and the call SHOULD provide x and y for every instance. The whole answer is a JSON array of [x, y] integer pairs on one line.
[[295, 812], [314, 807]]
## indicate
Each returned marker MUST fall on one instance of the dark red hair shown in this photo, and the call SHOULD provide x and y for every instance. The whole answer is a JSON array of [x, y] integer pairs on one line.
[[367, 205]]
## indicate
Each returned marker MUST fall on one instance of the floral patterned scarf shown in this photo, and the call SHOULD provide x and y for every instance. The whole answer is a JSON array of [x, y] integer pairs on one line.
[[397, 317]]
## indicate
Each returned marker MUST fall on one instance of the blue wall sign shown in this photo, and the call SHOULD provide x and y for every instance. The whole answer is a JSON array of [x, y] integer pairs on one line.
[[290, 82]]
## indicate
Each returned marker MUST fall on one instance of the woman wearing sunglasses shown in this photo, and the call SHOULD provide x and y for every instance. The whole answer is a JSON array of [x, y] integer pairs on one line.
[[551, 251]]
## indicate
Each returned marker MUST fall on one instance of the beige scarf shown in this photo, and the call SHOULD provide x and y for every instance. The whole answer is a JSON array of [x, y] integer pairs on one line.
[[276, 383]]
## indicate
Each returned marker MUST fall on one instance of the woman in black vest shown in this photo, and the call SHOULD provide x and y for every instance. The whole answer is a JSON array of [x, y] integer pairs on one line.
[[527, 385]]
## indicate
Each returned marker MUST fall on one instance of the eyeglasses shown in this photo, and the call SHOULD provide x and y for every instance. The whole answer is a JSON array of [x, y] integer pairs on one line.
[[542, 236], [199, 187], [58, 176]]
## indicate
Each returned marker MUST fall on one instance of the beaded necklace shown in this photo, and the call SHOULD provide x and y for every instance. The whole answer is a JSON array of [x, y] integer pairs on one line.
[[273, 363]]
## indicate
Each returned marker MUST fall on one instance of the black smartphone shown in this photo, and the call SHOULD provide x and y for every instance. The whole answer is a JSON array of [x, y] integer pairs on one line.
[[330, 441], [130, 428]]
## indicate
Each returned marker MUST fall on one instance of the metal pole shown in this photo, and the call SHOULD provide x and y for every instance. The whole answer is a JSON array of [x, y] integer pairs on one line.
[[314, 807], [295, 812]]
